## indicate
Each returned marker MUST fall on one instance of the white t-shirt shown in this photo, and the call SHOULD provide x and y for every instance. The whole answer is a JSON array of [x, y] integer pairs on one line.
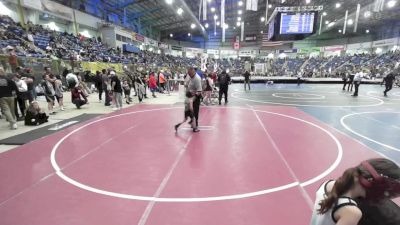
[[358, 76], [21, 85]]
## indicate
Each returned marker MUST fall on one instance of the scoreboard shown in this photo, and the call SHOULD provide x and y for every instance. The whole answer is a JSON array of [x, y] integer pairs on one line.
[[291, 26], [297, 23]]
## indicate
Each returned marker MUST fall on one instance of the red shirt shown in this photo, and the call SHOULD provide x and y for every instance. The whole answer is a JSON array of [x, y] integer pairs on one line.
[[152, 82], [214, 77], [12, 59]]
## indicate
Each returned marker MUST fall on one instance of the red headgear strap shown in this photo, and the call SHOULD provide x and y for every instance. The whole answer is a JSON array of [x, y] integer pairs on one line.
[[364, 181]]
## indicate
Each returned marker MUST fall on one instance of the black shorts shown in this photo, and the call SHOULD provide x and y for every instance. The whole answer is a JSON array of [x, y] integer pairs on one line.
[[59, 98], [50, 98], [189, 114]]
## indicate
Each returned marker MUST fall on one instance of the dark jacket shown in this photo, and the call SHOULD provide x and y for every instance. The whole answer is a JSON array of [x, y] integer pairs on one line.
[[8, 88]]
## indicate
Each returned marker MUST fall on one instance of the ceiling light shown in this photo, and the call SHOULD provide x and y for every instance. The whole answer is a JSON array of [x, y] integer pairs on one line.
[[340, 31], [226, 26], [179, 11], [218, 23], [261, 32], [240, 3], [262, 19], [367, 31], [215, 17], [338, 5], [238, 24], [331, 24], [240, 12], [391, 3], [208, 0], [308, 1], [212, 9], [189, 34], [206, 25], [350, 22], [269, 6], [324, 13], [169, 2], [239, 18], [171, 35], [192, 25], [327, 22], [367, 14]]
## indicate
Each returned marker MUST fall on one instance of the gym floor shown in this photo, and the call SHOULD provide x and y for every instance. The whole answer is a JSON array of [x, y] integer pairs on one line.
[[257, 160]]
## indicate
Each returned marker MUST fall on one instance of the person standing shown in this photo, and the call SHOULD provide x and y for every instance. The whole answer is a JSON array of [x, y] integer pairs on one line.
[[194, 86], [357, 81], [153, 84], [99, 84], [49, 93], [351, 81], [389, 79], [345, 79], [299, 77], [208, 90], [127, 91], [22, 90], [223, 80], [106, 87], [116, 88], [30, 82], [140, 88], [162, 81], [246, 79], [13, 60], [8, 90], [58, 89]]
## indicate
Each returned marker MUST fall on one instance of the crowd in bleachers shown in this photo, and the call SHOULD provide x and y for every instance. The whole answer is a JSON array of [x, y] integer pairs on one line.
[[39, 41], [376, 65]]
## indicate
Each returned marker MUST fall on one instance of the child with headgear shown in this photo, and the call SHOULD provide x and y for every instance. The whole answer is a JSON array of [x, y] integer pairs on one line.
[[373, 180], [189, 112]]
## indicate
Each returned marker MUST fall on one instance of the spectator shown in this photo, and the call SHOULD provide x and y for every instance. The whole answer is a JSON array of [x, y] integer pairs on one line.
[[35, 115], [59, 92], [106, 87], [127, 91], [116, 88], [153, 85], [12, 60], [72, 80], [78, 98], [224, 80], [99, 84], [208, 90], [49, 93], [246, 79], [8, 91], [22, 92]]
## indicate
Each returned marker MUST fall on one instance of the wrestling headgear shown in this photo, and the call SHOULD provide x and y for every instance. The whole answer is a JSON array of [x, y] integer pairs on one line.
[[378, 186]]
